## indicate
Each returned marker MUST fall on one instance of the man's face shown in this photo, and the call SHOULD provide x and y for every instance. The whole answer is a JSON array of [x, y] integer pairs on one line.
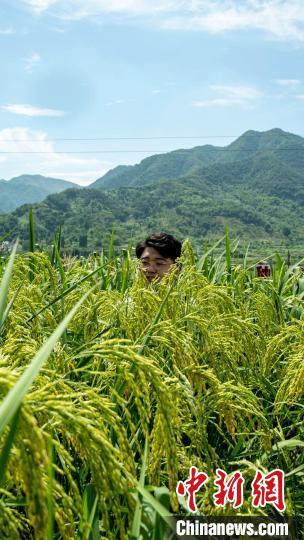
[[154, 264]]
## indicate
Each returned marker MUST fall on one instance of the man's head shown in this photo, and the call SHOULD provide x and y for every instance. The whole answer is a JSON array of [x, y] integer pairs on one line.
[[157, 253]]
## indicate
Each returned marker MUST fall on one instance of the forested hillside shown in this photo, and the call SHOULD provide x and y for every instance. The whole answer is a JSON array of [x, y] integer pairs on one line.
[[274, 144], [29, 188], [259, 194]]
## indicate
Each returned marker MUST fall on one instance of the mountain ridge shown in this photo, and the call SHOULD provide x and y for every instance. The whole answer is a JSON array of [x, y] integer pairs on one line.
[[180, 162], [29, 188], [260, 196]]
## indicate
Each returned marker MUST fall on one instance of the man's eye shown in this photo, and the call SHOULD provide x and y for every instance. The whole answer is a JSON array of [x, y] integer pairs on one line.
[[145, 263]]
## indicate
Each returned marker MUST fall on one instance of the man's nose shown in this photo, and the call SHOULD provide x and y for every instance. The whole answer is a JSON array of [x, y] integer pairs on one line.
[[151, 267]]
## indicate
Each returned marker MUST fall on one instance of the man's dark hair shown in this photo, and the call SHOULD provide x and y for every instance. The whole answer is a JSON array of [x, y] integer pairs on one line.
[[164, 243]]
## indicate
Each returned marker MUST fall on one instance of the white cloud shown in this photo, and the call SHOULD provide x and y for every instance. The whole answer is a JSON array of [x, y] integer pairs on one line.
[[237, 92], [217, 102], [23, 151], [31, 62], [282, 19], [38, 6], [116, 102], [6, 31], [289, 83], [31, 110], [119, 102], [229, 95], [78, 9]]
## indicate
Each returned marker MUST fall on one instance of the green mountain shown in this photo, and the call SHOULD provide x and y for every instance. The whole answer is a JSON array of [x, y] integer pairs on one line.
[[277, 144], [255, 185], [29, 188]]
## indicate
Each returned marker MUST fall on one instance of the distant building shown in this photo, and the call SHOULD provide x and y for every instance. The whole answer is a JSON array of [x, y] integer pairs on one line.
[[5, 247], [263, 269]]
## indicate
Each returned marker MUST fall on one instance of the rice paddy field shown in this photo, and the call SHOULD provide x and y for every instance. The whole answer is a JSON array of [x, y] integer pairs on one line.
[[112, 388]]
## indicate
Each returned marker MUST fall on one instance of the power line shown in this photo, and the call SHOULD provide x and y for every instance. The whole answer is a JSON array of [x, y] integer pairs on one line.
[[80, 152], [146, 138], [125, 151], [126, 138]]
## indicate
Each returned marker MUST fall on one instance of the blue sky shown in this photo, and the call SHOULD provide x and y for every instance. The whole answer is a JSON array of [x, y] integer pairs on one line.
[[136, 74]]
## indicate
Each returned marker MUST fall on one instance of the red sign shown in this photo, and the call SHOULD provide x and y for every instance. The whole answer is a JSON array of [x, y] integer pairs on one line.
[[265, 488]]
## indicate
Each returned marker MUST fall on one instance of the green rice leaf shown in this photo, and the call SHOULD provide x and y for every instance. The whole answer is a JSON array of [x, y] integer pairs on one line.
[[138, 510], [157, 506], [5, 454], [4, 287], [13, 399]]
